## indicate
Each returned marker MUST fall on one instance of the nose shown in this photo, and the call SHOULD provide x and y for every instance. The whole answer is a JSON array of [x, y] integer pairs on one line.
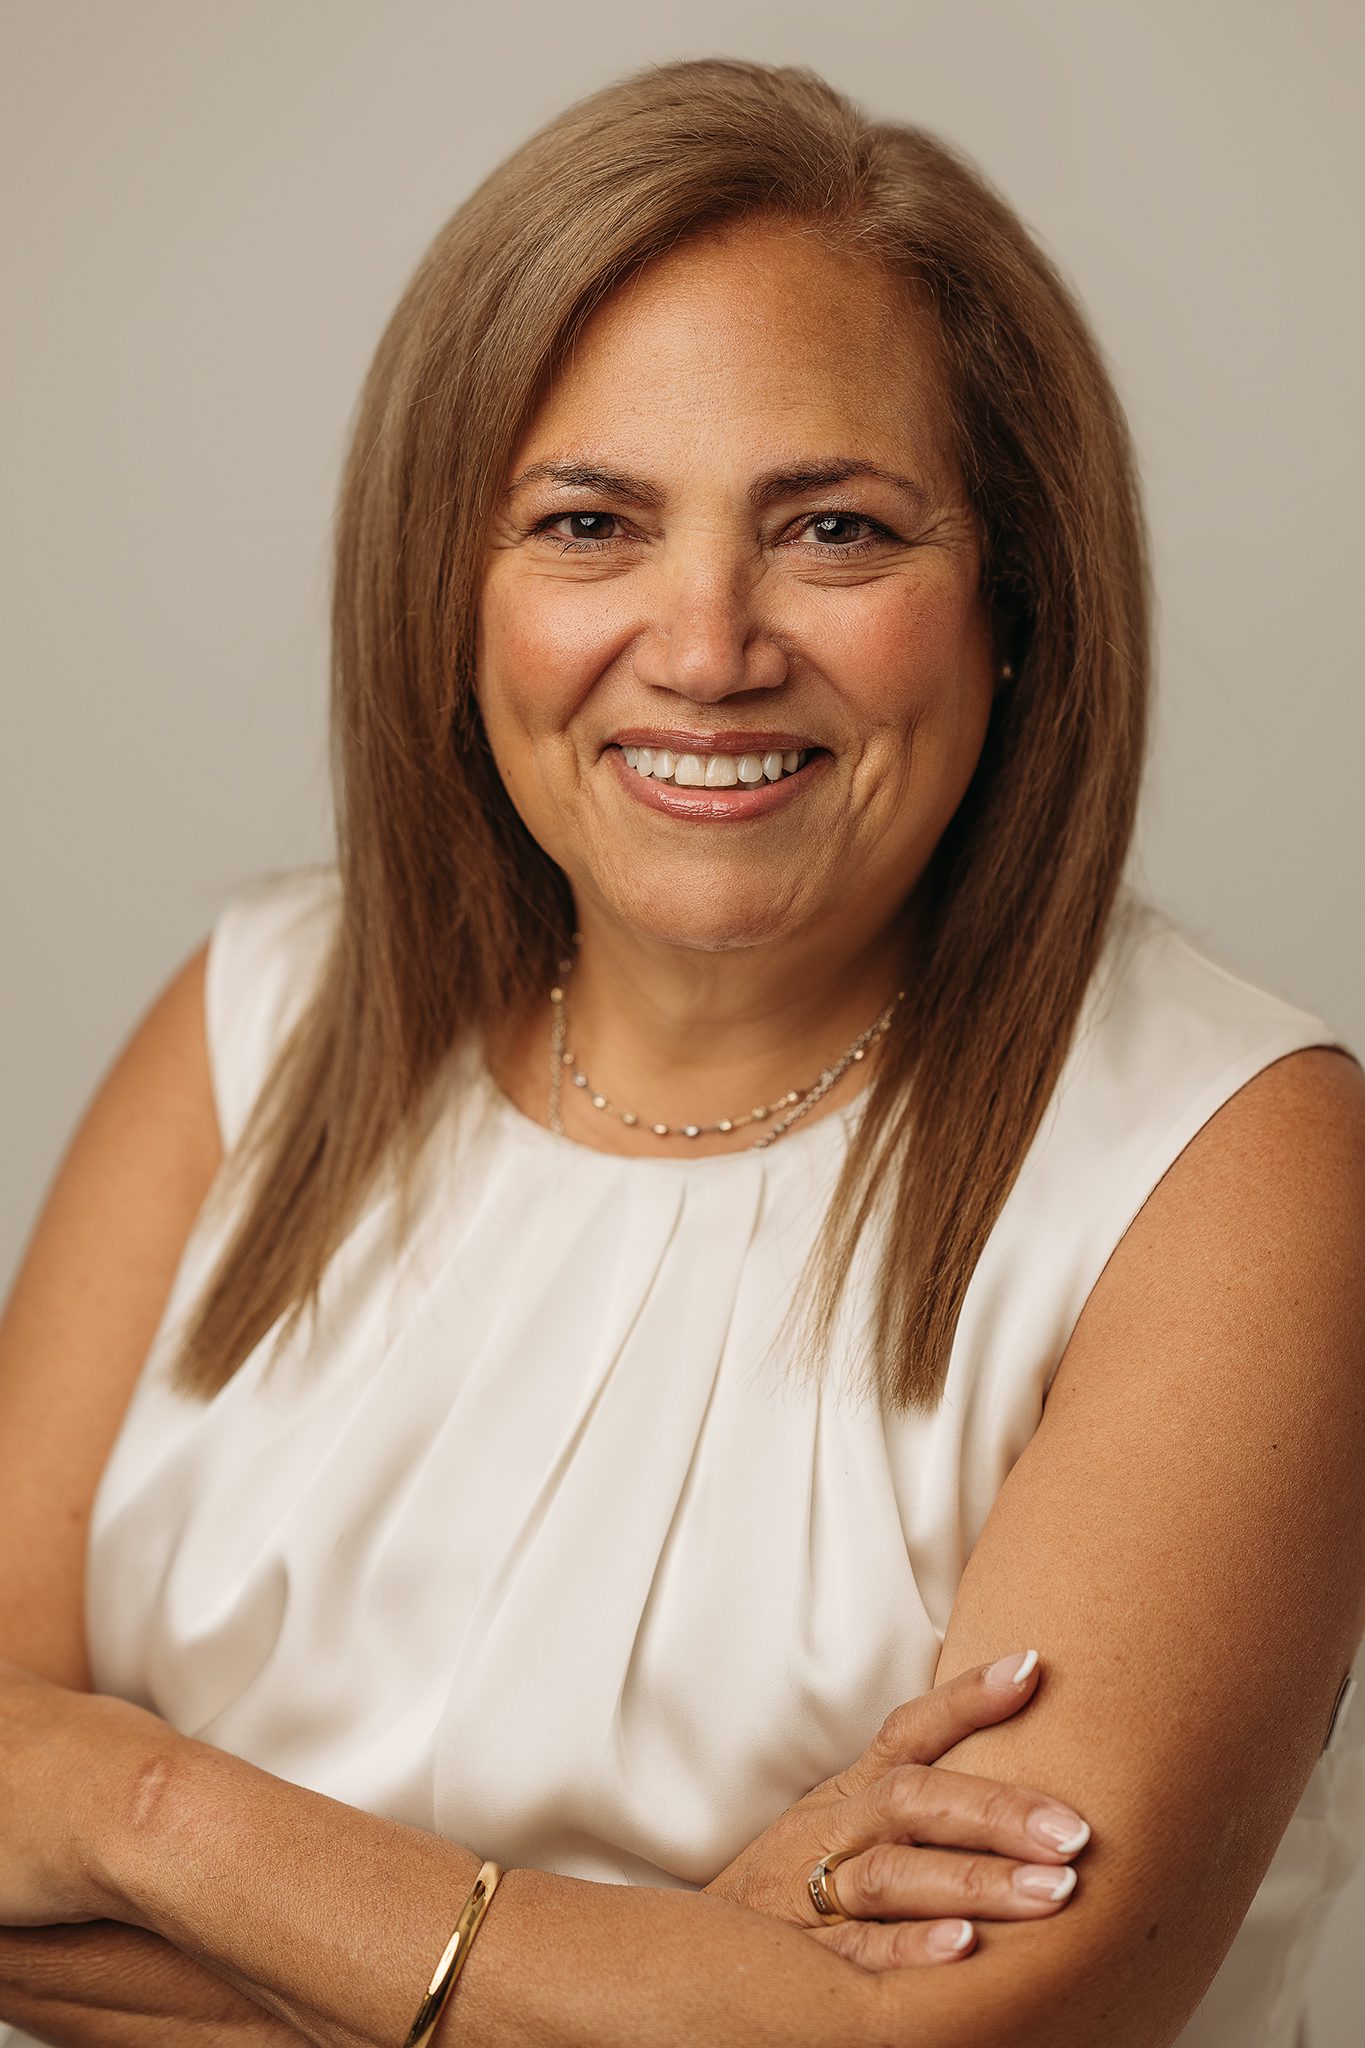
[[705, 637]]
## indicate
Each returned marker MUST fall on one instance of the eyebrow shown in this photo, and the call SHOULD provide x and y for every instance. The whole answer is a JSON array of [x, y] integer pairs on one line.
[[768, 489]]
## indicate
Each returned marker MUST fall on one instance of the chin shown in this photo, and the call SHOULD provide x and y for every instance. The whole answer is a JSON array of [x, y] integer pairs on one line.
[[706, 918]]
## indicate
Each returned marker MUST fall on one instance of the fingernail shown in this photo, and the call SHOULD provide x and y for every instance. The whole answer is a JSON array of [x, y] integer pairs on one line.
[[950, 1937], [1012, 1670], [1059, 1827], [1044, 1881]]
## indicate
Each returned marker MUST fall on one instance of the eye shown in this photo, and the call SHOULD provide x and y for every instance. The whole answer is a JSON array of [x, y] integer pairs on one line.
[[596, 538], [876, 532], [590, 541]]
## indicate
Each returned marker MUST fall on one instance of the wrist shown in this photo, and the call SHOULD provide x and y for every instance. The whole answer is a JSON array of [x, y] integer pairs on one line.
[[265, 1883], [131, 1808]]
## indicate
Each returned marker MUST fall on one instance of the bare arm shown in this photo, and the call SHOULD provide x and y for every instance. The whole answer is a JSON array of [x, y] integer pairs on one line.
[[1184, 1539], [83, 1309]]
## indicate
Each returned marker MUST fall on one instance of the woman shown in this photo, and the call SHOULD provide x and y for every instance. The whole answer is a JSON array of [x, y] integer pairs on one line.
[[783, 1225]]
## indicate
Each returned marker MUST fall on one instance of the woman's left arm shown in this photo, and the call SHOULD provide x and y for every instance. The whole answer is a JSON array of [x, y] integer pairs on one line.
[[1183, 1538]]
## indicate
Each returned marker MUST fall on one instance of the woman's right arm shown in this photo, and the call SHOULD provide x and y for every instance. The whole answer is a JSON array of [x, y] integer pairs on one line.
[[86, 1301]]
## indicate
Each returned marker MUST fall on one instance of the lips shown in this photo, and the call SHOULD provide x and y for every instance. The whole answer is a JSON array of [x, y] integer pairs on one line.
[[713, 758], [717, 800]]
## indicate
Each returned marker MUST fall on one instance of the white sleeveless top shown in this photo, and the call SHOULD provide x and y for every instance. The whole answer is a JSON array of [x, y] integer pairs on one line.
[[542, 1551]]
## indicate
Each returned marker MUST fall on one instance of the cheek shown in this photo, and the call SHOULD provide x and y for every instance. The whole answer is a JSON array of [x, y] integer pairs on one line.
[[913, 655], [533, 670], [538, 655]]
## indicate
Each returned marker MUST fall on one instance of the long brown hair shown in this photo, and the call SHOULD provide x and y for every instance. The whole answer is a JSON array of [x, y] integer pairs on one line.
[[451, 917]]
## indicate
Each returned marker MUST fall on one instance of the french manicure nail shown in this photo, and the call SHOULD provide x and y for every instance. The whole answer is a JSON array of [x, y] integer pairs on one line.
[[1012, 1670], [1059, 1828], [1043, 1881]]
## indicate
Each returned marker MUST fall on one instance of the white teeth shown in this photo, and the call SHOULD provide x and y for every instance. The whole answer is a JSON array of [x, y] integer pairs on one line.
[[712, 771]]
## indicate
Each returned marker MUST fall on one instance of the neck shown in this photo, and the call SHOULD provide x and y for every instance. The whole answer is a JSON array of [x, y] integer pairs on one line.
[[679, 1034]]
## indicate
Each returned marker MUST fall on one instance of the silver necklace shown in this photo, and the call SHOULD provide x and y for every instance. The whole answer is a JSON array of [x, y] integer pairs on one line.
[[788, 1108]]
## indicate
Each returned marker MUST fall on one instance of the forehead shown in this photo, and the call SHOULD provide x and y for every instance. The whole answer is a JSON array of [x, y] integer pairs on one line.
[[761, 332]]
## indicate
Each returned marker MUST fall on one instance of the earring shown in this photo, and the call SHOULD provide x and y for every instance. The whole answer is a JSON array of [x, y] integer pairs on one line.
[[1006, 671]]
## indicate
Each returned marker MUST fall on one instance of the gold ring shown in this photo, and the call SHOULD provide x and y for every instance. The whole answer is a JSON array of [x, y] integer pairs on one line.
[[817, 1884]]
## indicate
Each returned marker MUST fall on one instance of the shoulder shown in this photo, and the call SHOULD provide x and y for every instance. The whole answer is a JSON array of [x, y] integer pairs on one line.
[[1257, 1224], [1269, 1143], [1307, 1099], [1174, 1059], [1287, 1150], [1174, 1046], [156, 1090], [1254, 1218]]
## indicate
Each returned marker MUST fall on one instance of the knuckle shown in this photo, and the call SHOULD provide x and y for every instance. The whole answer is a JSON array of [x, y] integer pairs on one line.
[[904, 1789], [837, 1938], [875, 1882], [1000, 1808], [899, 1726], [906, 1945], [881, 1799], [855, 1941], [864, 1944], [978, 1878]]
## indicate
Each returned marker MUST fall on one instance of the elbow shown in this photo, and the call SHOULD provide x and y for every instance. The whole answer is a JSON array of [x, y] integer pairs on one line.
[[1015, 1992]]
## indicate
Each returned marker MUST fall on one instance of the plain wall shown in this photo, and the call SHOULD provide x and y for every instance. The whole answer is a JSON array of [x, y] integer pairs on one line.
[[209, 211]]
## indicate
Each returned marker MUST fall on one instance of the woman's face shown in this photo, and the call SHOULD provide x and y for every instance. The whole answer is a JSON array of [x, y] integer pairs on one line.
[[695, 558]]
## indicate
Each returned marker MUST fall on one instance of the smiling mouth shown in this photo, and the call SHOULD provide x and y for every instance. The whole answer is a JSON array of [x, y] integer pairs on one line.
[[715, 771]]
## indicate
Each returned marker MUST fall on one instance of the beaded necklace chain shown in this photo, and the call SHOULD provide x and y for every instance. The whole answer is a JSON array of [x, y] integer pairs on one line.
[[788, 1108]]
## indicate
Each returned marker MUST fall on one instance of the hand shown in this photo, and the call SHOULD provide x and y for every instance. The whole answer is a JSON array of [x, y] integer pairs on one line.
[[883, 1806], [72, 1765]]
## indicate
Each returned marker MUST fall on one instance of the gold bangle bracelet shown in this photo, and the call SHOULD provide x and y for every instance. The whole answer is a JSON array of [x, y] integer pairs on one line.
[[453, 1961]]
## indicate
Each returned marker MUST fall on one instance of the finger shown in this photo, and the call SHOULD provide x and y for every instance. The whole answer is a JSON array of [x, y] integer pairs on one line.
[[921, 1729], [909, 1944], [917, 1803], [892, 1882]]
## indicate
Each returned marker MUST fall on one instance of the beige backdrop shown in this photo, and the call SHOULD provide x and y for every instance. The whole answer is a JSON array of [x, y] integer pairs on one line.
[[209, 211]]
